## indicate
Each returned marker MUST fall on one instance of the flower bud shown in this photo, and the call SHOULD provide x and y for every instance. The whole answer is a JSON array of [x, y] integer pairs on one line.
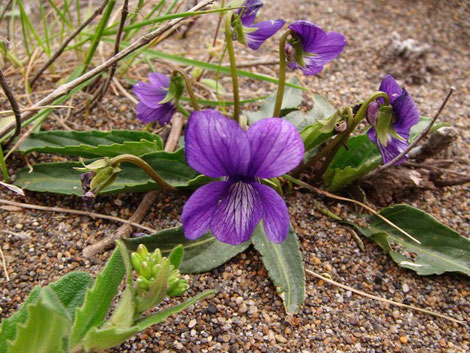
[[136, 260], [143, 283], [142, 251], [145, 270], [372, 113]]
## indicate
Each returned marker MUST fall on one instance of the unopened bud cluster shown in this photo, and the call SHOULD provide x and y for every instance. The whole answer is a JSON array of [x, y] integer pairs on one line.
[[148, 265]]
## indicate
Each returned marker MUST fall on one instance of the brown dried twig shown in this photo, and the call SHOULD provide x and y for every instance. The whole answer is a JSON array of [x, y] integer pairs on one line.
[[67, 42], [14, 106]]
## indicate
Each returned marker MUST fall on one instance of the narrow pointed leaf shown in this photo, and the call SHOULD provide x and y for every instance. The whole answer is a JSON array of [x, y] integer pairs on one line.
[[92, 143], [200, 255], [46, 328], [285, 266], [98, 299], [176, 256], [441, 250]]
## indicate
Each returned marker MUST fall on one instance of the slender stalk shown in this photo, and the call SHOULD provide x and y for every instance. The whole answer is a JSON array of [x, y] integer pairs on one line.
[[334, 144], [189, 88], [14, 106], [233, 66], [3, 166], [130, 158], [282, 74]]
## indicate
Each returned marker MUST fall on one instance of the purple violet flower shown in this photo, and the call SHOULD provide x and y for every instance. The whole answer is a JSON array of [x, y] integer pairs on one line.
[[232, 207], [405, 115], [315, 49], [150, 95], [256, 34]]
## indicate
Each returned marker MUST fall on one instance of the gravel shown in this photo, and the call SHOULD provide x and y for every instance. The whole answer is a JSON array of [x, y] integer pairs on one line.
[[246, 315]]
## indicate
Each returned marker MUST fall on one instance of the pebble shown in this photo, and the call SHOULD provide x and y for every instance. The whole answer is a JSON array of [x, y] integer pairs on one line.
[[405, 288]]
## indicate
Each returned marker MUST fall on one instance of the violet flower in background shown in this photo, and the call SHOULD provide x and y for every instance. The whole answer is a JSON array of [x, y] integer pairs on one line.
[[313, 48], [405, 115], [256, 34], [150, 95], [232, 208]]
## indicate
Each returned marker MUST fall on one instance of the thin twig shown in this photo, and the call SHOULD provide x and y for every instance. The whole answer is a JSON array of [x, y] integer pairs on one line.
[[102, 90], [67, 41], [7, 112], [125, 230], [5, 10], [422, 135], [82, 213], [4, 263], [123, 91], [14, 106], [139, 43], [388, 301]]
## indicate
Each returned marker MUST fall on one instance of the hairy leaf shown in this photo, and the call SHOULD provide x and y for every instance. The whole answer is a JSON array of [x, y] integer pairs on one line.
[[200, 255], [92, 143], [46, 328], [441, 250], [285, 266], [98, 299]]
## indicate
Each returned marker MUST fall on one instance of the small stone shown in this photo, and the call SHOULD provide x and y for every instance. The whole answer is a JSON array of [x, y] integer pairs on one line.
[[192, 323], [280, 339], [405, 288], [404, 339], [243, 308]]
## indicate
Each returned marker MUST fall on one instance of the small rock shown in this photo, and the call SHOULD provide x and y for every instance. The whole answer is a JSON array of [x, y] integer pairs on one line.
[[280, 339], [192, 323], [404, 339], [405, 288]]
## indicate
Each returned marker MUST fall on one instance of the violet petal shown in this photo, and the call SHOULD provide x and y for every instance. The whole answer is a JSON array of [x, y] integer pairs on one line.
[[276, 146], [162, 113], [406, 112], [249, 11], [198, 210], [390, 86], [151, 94], [394, 148], [238, 214], [310, 34], [275, 216], [265, 30], [215, 145]]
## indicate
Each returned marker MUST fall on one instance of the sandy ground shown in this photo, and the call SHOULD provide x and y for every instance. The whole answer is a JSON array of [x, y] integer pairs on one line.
[[246, 315]]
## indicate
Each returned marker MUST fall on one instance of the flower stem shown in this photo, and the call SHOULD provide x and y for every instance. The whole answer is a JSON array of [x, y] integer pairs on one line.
[[130, 158], [332, 148], [189, 88], [233, 66], [282, 74], [3, 166]]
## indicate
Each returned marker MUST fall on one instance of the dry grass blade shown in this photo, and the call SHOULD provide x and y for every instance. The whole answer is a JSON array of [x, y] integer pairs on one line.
[[4, 264], [371, 296]]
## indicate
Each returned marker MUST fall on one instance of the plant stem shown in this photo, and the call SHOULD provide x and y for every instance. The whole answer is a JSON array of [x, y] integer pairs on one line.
[[3, 165], [189, 88], [233, 66], [282, 74], [14, 106], [130, 158]]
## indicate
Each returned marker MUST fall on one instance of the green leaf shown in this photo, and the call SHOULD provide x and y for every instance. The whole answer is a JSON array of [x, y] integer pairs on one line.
[[61, 178], [291, 101], [104, 338], [441, 250], [98, 299], [200, 255], [92, 143], [285, 266], [161, 315], [71, 290], [46, 328], [8, 328]]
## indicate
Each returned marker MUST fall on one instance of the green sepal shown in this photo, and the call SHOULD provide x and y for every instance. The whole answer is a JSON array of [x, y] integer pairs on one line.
[[103, 178], [384, 121], [96, 165], [176, 256], [175, 89], [238, 29]]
